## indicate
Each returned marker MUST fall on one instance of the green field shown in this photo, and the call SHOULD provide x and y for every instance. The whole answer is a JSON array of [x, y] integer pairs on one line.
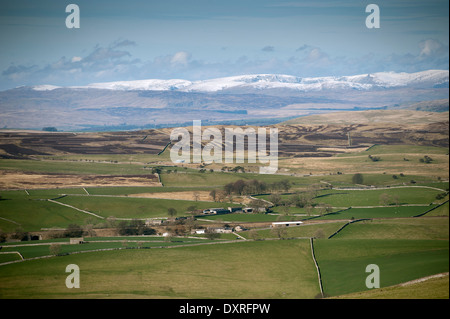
[[33, 212], [131, 207], [373, 197], [193, 178], [399, 228], [66, 167], [268, 269], [129, 190], [322, 230], [410, 195], [32, 215], [378, 212], [42, 248], [435, 288], [343, 261]]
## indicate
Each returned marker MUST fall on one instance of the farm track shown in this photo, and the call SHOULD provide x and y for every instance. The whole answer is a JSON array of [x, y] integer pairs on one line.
[[9, 220], [445, 274], [78, 209]]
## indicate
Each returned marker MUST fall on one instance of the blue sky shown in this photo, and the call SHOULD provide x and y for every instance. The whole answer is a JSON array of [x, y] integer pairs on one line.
[[193, 40]]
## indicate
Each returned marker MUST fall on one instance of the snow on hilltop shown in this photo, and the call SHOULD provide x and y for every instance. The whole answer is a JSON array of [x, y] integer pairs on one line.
[[425, 79]]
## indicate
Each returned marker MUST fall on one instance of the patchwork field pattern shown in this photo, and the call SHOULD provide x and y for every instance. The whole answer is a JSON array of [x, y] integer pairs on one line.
[[396, 216]]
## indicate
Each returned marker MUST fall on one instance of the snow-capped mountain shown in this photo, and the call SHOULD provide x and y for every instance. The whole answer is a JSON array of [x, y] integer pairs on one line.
[[245, 98], [258, 82]]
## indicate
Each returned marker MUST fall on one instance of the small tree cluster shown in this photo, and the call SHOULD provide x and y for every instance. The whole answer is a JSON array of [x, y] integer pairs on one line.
[[357, 178], [235, 169], [20, 234], [441, 196], [134, 227], [211, 234], [426, 159], [386, 199], [73, 230], [3, 236]]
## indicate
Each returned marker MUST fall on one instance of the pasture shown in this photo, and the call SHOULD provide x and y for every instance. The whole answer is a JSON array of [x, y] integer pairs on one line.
[[377, 212], [343, 261], [132, 207], [397, 228], [268, 269]]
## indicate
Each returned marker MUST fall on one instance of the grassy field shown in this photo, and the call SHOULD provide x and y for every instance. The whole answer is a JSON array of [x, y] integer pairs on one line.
[[377, 212], [42, 248], [195, 178], [123, 207], [373, 197], [402, 196], [440, 211], [435, 288], [66, 167], [343, 262], [137, 190], [401, 228], [322, 230], [32, 215], [32, 212], [268, 269]]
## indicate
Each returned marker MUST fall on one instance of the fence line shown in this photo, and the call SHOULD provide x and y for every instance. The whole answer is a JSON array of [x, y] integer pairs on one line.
[[350, 222], [432, 209], [317, 267]]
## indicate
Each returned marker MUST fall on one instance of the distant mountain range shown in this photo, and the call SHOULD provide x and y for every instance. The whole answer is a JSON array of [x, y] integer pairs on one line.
[[245, 99], [259, 82]]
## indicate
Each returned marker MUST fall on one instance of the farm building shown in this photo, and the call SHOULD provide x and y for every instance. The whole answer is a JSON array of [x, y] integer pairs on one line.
[[222, 230], [286, 224], [239, 228], [219, 211], [235, 209], [149, 222], [76, 241], [215, 211]]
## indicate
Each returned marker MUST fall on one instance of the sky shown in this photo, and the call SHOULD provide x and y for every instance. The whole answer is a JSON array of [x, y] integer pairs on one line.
[[204, 39]]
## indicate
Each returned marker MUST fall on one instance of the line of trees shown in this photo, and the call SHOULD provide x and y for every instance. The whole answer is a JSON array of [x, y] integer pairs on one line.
[[243, 187]]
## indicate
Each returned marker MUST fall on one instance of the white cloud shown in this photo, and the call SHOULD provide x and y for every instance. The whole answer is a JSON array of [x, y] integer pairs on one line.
[[431, 47], [76, 59], [180, 58]]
